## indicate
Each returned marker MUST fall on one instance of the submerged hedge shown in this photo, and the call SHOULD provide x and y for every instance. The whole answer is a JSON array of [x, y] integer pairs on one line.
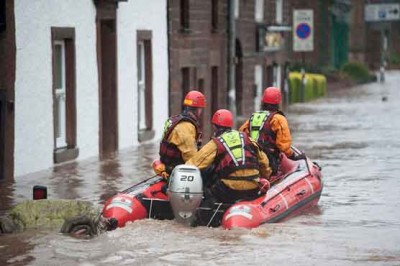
[[315, 87], [357, 72]]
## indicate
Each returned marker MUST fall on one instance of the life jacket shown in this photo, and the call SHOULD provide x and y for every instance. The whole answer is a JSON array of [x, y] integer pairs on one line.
[[235, 151], [169, 153], [261, 132]]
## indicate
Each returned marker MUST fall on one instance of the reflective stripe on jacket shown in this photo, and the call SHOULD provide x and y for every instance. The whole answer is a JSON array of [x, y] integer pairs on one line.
[[234, 152], [274, 128], [260, 131], [206, 156]]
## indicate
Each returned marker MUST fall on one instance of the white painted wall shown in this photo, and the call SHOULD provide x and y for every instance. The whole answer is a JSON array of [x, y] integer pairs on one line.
[[132, 16], [33, 84]]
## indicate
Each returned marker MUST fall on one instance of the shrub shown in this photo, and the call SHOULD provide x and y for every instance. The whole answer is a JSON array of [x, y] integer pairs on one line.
[[394, 59], [357, 72], [315, 87]]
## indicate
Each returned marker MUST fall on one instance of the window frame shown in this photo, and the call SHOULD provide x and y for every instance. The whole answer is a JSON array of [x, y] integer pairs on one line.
[[69, 151], [259, 11], [145, 80], [60, 95], [141, 84], [214, 89], [279, 12], [184, 15], [236, 8], [214, 15]]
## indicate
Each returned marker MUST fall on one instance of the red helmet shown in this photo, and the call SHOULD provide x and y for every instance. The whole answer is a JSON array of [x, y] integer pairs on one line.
[[222, 118], [272, 95], [195, 99]]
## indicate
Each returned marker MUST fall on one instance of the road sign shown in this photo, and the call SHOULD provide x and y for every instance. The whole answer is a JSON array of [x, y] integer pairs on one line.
[[382, 12], [303, 33]]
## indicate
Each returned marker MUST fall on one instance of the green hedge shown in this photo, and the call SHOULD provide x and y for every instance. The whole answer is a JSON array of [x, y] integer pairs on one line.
[[358, 72], [315, 87]]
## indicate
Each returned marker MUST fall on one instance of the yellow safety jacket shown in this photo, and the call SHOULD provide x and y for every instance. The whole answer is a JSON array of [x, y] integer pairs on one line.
[[280, 127], [206, 156]]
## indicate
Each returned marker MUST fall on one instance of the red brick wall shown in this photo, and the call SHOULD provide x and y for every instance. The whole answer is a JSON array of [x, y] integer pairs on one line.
[[246, 34], [199, 50], [320, 55], [366, 39], [357, 44]]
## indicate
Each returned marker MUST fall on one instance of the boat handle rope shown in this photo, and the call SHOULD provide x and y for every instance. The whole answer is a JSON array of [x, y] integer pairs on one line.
[[277, 207], [151, 207], [301, 193], [219, 206]]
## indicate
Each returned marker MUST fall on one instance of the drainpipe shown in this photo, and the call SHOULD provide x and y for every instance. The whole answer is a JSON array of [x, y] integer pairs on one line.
[[169, 34], [231, 60]]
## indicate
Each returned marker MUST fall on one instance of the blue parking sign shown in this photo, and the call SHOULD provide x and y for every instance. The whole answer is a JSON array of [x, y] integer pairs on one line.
[[303, 30]]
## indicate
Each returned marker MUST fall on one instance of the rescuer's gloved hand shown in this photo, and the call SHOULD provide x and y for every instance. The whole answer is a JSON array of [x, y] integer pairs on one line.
[[264, 185], [159, 168], [165, 175]]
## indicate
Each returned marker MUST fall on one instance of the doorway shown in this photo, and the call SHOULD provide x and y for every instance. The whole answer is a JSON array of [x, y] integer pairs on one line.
[[2, 132], [108, 88]]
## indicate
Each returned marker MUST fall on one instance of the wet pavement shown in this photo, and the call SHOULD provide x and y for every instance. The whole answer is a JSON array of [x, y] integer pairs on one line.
[[351, 133]]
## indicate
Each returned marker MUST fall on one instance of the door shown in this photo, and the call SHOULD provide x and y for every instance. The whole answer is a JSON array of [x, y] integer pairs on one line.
[[2, 132], [108, 89]]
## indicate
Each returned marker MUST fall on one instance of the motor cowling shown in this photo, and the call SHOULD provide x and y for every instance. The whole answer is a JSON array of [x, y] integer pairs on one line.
[[185, 192]]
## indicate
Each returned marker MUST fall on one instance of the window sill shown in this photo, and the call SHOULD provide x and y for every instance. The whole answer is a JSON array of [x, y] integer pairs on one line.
[[145, 135], [65, 154], [214, 30], [185, 31]]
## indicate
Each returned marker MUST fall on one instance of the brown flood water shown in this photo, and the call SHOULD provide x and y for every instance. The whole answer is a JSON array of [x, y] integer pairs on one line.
[[351, 133]]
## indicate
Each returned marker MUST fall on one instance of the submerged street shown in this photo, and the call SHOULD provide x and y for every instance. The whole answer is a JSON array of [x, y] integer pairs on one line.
[[353, 135]]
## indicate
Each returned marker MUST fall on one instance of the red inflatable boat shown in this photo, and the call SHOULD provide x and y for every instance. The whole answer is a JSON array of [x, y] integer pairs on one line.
[[297, 186]]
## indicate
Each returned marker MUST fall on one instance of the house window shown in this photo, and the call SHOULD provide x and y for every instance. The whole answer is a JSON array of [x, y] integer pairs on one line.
[[2, 15], [236, 8], [258, 82], [184, 5], [200, 88], [214, 89], [279, 11], [185, 73], [214, 15], [145, 85], [64, 112], [59, 105], [141, 85], [259, 11], [276, 76]]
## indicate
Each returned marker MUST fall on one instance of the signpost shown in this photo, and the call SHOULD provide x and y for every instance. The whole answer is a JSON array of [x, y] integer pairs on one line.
[[303, 37], [303, 30], [379, 14], [382, 12]]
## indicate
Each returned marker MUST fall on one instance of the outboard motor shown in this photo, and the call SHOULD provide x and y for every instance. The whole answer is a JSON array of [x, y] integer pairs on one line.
[[185, 192]]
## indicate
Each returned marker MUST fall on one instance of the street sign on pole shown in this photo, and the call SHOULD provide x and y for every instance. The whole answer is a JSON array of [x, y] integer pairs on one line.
[[382, 12], [303, 30]]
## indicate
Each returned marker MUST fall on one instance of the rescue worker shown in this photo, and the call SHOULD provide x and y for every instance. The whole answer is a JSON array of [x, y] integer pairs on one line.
[[236, 160], [270, 129], [181, 137]]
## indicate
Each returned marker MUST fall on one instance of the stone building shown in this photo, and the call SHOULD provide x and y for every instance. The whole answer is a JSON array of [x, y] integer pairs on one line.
[[200, 47], [263, 45], [198, 54], [375, 36], [76, 79], [323, 47]]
